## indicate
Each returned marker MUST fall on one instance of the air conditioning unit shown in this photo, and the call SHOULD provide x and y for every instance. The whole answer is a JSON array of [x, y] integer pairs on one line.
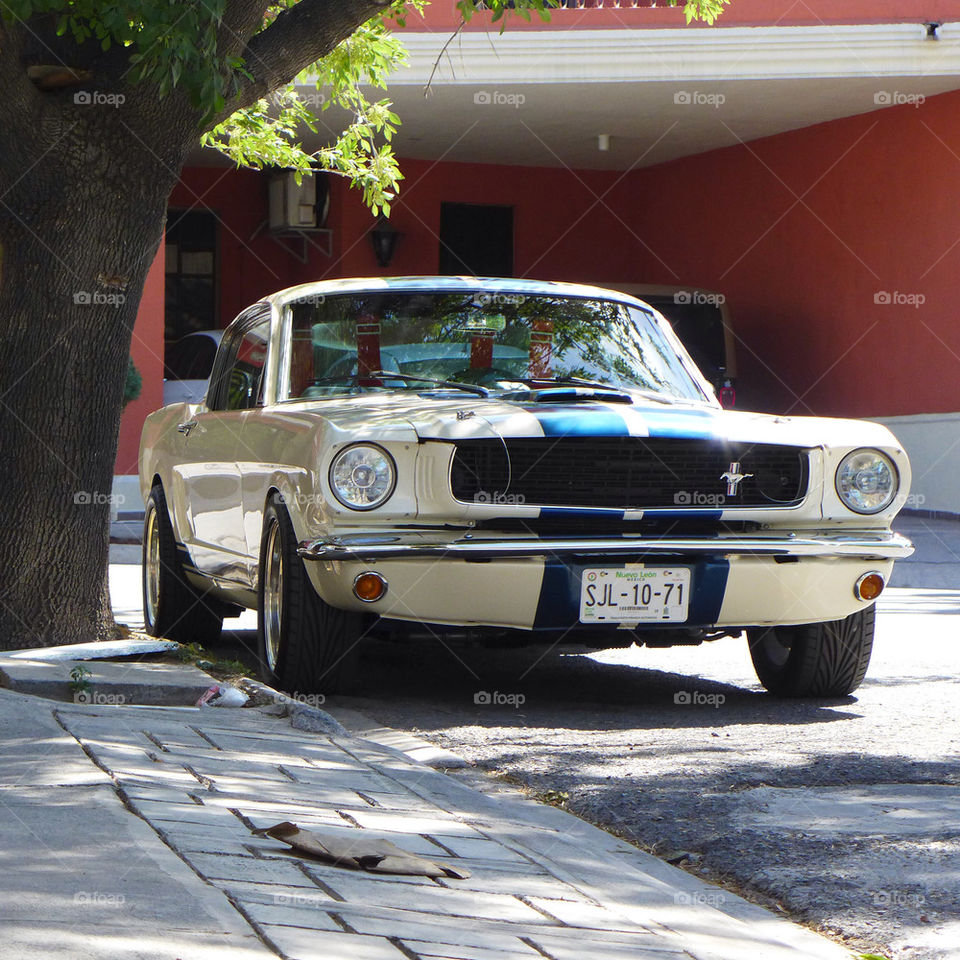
[[293, 206]]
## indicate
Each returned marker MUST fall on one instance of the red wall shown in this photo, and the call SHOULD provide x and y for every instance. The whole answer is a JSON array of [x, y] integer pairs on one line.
[[443, 15], [804, 232], [146, 349]]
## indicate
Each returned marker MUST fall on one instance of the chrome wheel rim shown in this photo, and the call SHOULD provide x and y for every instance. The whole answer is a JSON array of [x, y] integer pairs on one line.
[[152, 572], [273, 596]]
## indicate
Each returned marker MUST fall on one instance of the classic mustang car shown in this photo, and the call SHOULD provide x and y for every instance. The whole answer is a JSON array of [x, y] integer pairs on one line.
[[509, 461]]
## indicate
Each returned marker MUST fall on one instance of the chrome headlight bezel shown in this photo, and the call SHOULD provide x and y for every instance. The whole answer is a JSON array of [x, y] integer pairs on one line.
[[848, 492], [382, 464]]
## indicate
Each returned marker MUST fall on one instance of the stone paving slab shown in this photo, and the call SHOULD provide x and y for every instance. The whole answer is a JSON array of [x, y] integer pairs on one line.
[[446, 951], [299, 944], [251, 869]]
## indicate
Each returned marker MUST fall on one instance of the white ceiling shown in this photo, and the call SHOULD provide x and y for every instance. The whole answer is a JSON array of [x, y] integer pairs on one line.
[[559, 124], [542, 98]]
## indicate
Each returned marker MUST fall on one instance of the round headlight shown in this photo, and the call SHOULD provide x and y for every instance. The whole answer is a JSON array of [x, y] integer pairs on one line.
[[867, 481], [362, 477]]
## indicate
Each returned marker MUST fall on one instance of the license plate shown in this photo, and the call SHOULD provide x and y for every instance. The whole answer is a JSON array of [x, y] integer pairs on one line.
[[634, 594]]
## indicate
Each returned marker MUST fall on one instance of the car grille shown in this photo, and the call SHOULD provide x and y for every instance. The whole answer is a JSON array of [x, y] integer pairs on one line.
[[626, 473]]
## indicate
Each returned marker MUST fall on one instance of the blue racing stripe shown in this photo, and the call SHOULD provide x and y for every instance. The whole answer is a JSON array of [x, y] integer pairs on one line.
[[571, 513], [559, 605], [682, 514], [694, 424], [579, 421], [710, 584]]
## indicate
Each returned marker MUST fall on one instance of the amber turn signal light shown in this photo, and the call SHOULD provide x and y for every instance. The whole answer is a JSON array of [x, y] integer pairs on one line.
[[869, 586], [369, 586]]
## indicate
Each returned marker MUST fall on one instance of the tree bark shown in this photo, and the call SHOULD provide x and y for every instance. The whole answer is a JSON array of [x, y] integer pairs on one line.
[[73, 271], [83, 190]]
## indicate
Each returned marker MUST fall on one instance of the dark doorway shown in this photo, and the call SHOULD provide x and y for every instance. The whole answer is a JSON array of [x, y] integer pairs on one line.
[[191, 281], [476, 240]]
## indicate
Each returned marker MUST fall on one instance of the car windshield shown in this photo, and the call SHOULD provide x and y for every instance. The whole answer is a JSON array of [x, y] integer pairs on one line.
[[503, 342]]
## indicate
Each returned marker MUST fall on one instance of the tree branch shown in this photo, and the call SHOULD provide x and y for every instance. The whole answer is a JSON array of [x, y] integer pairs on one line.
[[241, 20], [298, 37]]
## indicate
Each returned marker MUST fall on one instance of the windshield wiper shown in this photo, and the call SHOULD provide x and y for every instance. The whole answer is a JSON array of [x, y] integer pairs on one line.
[[394, 375], [547, 382]]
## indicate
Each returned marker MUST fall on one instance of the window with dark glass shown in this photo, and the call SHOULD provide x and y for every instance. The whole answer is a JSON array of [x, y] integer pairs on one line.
[[476, 240], [240, 382], [191, 279]]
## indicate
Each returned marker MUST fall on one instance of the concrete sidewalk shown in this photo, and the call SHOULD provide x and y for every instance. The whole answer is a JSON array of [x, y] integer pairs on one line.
[[126, 833]]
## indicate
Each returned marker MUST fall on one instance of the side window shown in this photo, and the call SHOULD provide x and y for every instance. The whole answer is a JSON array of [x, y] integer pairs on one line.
[[242, 368]]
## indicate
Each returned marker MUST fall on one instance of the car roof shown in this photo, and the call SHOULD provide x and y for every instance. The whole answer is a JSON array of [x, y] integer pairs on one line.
[[446, 284]]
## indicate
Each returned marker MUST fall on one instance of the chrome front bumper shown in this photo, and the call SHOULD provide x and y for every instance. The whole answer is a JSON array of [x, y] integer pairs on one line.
[[368, 548]]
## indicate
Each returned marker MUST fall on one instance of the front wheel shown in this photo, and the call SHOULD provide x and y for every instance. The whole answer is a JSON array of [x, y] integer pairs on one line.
[[305, 645], [814, 659]]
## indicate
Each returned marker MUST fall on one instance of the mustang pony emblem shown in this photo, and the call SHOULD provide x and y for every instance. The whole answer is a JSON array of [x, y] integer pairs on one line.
[[733, 477]]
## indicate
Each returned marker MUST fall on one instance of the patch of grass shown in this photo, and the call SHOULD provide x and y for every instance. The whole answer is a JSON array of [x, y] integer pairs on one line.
[[556, 798], [80, 679], [193, 653]]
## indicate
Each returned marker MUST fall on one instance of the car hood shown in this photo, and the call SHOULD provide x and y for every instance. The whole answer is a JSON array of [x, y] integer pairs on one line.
[[471, 418]]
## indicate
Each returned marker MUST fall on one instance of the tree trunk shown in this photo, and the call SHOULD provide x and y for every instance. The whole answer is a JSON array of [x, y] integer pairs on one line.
[[73, 268], [87, 161]]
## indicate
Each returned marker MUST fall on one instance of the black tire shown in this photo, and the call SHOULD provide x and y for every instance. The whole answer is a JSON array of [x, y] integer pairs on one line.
[[304, 644], [815, 659], [172, 606]]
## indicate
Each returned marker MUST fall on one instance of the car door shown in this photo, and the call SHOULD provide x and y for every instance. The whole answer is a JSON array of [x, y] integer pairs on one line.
[[208, 472]]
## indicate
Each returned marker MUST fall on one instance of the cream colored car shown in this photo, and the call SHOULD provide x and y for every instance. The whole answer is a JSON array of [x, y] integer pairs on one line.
[[510, 460]]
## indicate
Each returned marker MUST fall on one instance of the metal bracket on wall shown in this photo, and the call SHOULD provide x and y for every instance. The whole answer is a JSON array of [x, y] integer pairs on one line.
[[306, 236]]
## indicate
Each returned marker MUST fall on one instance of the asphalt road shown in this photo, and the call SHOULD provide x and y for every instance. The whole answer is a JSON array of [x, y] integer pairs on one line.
[[810, 807]]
